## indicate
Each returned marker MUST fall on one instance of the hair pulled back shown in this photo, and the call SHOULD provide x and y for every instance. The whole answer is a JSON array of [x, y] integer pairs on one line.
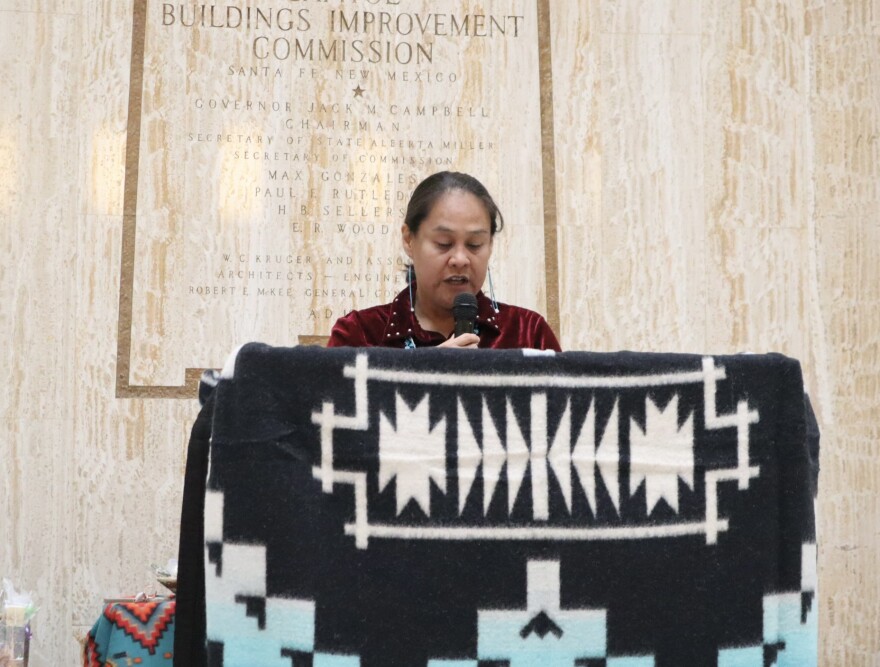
[[435, 186]]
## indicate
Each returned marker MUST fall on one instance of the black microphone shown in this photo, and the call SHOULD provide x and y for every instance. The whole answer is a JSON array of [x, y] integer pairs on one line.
[[464, 310]]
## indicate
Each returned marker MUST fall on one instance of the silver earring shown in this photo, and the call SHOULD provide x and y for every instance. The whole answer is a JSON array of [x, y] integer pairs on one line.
[[409, 282], [492, 291]]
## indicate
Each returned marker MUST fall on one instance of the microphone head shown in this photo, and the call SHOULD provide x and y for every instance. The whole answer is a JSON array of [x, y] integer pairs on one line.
[[464, 307]]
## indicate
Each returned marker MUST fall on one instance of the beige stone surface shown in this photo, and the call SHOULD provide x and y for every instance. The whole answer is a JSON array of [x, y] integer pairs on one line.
[[717, 190]]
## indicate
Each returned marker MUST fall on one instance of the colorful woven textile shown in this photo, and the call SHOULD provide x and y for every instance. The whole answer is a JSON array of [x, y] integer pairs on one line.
[[440, 508], [132, 633]]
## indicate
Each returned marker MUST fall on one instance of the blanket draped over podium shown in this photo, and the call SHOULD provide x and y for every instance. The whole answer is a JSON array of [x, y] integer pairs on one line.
[[508, 508]]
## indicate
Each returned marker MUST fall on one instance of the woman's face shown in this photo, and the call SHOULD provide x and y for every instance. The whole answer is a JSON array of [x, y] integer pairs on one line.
[[450, 252]]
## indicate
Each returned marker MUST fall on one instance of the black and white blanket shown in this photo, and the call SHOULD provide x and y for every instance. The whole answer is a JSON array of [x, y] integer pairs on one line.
[[436, 508]]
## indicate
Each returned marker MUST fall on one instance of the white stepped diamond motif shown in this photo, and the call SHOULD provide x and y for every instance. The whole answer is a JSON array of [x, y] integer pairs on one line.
[[413, 453], [662, 454]]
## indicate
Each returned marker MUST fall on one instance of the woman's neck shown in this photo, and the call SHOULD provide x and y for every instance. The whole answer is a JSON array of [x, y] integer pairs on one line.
[[440, 321]]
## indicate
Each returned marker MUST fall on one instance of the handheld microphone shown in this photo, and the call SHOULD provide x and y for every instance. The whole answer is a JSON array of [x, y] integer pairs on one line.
[[464, 310]]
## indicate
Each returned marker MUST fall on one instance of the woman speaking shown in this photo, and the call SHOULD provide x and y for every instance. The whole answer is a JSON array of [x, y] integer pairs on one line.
[[451, 221]]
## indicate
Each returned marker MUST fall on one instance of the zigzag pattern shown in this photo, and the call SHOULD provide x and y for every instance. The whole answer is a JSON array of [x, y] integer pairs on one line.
[[514, 456], [144, 628], [92, 659]]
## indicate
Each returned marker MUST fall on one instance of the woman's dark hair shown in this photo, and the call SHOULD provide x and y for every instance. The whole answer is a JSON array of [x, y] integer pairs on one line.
[[435, 186]]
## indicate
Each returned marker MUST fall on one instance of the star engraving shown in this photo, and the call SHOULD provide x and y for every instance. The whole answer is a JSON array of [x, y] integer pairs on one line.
[[358, 92]]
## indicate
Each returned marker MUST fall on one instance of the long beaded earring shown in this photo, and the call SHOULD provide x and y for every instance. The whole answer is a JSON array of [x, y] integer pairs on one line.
[[492, 291], [409, 282]]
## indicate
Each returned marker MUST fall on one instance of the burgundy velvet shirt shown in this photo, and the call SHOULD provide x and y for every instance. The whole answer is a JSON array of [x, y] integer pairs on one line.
[[389, 325]]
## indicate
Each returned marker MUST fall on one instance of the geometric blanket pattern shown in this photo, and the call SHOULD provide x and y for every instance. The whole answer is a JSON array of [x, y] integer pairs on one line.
[[428, 508], [132, 633]]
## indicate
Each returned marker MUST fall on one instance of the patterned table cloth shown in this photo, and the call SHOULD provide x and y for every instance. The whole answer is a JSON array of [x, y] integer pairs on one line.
[[132, 633], [436, 508]]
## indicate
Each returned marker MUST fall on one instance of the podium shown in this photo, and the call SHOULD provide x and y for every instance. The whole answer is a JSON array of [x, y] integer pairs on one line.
[[449, 508]]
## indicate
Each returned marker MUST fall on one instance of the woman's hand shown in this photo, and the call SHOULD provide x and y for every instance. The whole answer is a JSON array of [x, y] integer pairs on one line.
[[465, 341]]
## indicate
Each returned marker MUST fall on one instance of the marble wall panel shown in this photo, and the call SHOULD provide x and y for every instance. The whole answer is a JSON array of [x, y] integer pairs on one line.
[[129, 454], [717, 190], [577, 109], [582, 305], [845, 101], [757, 115], [849, 499], [758, 302], [653, 237], [664, 17], [43, 7], [41, 525], [630, 187], [39, 245], [103, 81], [849, 512], [846, 125], [850, 17], [849, 249]]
